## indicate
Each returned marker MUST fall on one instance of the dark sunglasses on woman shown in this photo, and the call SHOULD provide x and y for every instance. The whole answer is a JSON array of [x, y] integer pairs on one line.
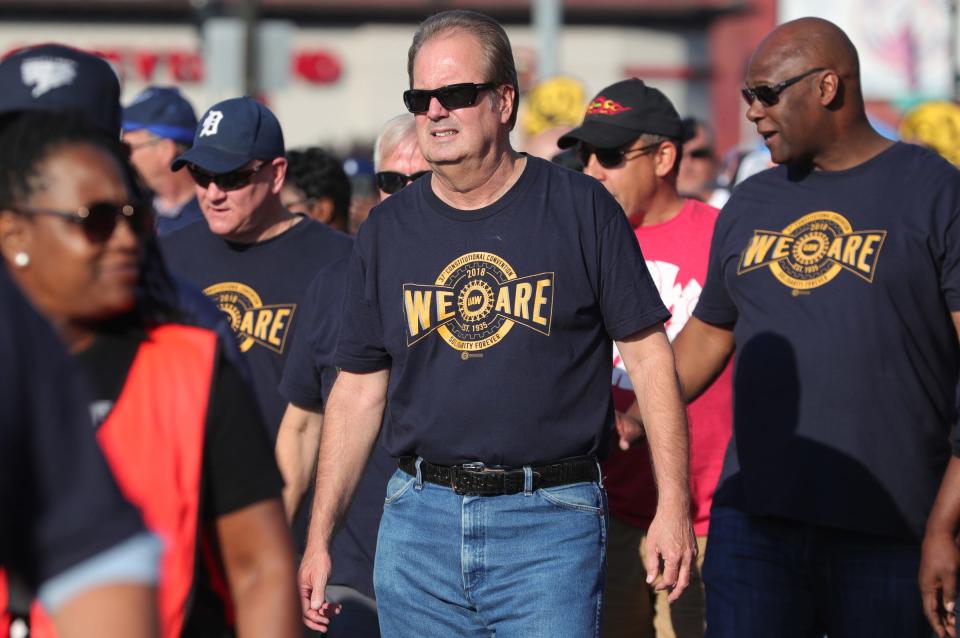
[[452, 96], [391, 182], [99, 220]]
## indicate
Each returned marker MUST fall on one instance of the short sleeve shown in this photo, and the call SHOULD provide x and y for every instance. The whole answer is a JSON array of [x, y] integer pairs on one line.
[[360, 347], [715, 305], [628, 297]]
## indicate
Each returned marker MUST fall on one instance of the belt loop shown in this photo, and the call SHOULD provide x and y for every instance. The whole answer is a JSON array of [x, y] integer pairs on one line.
[[599, 473], [419, 484], [527, 480]]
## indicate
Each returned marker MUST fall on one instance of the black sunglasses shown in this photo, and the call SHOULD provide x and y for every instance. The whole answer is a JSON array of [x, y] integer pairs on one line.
[[700, 153], [452, 96], [612, 157], [224, 181], [99, 220], [770, 95], [391, 182]]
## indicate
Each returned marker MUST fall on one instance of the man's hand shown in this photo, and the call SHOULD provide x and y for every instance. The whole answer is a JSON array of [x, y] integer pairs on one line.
[[314, 572], [938, 582], [629, 429], [670, 542]]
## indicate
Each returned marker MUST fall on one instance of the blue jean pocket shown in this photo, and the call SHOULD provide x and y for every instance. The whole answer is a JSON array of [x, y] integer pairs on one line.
[[579, 497], [397, 486]]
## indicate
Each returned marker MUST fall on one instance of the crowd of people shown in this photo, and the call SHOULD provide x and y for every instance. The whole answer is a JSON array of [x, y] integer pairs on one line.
[[596, 391]]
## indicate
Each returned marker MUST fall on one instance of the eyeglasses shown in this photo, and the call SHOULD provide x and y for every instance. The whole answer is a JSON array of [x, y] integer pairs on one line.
[[224, 181], [138, 145], [99, 220], [391, 182], [770, 95], [612, 157], [452, 96]]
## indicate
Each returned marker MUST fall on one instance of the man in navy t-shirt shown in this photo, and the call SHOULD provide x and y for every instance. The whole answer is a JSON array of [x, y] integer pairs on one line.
[[833, 276], [252, 257], [479, 313]]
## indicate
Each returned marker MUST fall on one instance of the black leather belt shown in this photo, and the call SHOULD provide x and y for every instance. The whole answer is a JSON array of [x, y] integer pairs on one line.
[[476, 479]]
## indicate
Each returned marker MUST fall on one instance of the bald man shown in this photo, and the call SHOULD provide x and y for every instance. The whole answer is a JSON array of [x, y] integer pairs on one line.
[[833, 279]]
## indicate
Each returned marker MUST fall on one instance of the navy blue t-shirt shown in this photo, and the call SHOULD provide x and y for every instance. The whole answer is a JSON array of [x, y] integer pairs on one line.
[[259, 287], [839, 286], [307, 380], [496, 323], [60, 504]]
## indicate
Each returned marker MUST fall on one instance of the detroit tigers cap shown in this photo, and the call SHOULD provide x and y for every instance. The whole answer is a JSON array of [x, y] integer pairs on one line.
[[230, 134], [621, 112], [55, 77], [163, 111]]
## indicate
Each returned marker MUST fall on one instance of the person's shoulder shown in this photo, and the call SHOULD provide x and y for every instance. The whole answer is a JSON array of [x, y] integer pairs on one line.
[[326, 241], [700, 210], [923, 161], [330, 278]]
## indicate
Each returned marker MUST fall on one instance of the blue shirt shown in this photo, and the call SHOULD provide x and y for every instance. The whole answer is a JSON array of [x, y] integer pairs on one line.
[[839, 287], [496, 323], [259, 287]]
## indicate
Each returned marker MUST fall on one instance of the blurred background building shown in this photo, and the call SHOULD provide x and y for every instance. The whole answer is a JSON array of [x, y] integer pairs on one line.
[[334, 70]]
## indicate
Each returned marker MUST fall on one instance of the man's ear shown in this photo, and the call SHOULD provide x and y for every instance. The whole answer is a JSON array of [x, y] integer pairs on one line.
[[829, 88], [665, 159], [506, 102], [279, 165]]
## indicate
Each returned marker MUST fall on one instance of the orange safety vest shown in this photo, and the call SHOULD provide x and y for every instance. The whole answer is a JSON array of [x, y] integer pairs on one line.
[[153, 441]]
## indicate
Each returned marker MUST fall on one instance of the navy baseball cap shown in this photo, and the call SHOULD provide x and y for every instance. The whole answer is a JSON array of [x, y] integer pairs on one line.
[[163, 111], [622, 112], [230, 134], [54, 77]]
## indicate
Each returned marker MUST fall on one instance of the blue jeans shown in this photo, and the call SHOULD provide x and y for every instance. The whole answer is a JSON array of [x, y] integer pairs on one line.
[[771, 577], [526, 565]]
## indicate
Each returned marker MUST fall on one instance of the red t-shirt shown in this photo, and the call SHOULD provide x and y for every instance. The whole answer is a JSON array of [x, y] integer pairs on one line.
[[676, 253]]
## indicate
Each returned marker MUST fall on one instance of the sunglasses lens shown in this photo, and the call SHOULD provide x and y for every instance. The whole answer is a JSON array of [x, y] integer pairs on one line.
[[390, 182], [232, 181], [101, 221], [199, 177], [457, 96], [417, 100], [609, 157]]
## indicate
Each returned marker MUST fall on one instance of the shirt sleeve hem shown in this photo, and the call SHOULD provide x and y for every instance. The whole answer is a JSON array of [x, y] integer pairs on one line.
[[300, 395], [361, 365], [714, 316], [633, 325]]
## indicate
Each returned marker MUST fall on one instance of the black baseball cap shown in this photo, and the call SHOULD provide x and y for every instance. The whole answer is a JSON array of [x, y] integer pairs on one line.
[[622, 112], [230, 134], [57, 78], [163, 111]]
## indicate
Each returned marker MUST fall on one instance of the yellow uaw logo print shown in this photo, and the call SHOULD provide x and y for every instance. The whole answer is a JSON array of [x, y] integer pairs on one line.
[[252, 322], [475, 301], [813, 250]]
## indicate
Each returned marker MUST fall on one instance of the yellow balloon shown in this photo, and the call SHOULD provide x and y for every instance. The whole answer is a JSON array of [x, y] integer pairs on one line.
[[934, 124], [555, 102]]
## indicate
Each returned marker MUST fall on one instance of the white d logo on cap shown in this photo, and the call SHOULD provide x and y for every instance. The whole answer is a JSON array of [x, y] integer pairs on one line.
[[211, 123]]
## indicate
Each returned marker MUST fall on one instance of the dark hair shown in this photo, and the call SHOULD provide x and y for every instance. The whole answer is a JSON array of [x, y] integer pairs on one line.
[[27, 138], [319, 174], [497, 54]]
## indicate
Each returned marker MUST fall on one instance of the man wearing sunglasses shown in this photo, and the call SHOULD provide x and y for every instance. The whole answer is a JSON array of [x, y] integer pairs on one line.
[[253, 258], [631, 140], [833, 279], [480, 308]]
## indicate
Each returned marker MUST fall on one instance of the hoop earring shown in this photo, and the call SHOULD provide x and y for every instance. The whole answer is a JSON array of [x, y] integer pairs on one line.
[[21, 259]]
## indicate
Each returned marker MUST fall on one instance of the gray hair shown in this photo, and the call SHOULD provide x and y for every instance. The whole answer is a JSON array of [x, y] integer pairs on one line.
[[497, 53], [648, 139], [397, 130]]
